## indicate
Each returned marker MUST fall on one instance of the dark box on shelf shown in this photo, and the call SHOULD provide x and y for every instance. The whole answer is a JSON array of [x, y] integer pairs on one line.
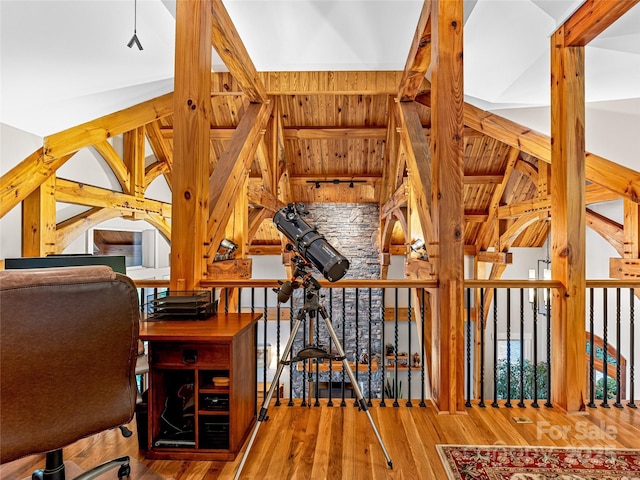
[[214, 435]]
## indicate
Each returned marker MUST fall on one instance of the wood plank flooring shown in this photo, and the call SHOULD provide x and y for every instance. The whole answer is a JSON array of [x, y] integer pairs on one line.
[[338, 443]]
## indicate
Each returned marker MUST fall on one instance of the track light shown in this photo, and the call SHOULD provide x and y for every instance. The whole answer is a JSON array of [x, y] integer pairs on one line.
[[336, 181], [419, 247], [134, 40]]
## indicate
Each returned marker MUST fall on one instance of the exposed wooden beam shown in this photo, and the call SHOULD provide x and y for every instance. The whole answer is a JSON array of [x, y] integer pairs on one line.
[[233, 53], [488, 231], [631, 231], [419, 57], [476, 216], [115, 162], [397, 200], [134, 159], [19, 182], [68, 230], [521, 223], [476, 179], [231, 168], [495, 257], [38, 220], [568, 258], [79, 194], [333, 133], [447, 156], [191, 144], [98, 130], [608, 229], [259, 196], [343, 82], [624, 268], [392, 172], [592, 18], [162, 152]]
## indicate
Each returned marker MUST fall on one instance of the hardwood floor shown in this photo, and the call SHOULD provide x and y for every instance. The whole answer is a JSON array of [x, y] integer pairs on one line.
[[339, 443]]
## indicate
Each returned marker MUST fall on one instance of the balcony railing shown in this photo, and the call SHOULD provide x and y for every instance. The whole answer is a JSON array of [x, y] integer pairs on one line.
[[385, 330]]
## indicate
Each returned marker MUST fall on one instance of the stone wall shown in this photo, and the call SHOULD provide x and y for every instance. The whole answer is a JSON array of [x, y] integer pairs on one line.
[[356, 314]]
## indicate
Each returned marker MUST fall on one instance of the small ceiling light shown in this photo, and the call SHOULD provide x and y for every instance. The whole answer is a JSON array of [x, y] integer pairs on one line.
[[351, 184], [134, 40], [317, 184]]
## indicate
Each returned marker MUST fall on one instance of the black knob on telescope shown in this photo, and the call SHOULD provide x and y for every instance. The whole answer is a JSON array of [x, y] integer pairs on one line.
[[285, 292]]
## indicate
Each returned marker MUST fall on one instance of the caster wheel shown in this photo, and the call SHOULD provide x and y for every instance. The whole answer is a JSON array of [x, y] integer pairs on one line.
[[124, 471]]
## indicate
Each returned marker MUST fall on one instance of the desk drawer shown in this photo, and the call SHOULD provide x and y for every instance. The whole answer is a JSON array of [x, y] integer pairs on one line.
[[196, 354]]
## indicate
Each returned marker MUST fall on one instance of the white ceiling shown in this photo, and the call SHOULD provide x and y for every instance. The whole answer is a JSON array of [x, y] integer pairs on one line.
[[64, 62]]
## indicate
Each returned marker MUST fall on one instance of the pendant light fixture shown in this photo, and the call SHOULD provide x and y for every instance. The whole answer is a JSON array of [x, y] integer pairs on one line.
[[134, 40]]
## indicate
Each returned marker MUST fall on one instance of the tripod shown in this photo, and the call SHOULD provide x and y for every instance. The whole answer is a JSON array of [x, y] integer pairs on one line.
[[311, 307]]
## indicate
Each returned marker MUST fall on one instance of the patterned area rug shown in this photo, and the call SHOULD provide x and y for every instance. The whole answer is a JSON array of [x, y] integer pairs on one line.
[[463, 462]]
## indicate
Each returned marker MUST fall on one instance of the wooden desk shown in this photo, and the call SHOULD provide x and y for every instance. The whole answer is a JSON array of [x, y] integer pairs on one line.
[[189, 416]]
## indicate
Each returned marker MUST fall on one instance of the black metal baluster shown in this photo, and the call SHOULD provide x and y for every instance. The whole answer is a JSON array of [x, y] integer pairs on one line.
[[395, 352], [605, 343], [239, 310], [343, 403], [226, 300], [409, 358], [495, 403], [330, 401], [264, 341], [631, 402], [618, 404], [481, 402], [468, 345], [508, 404], [290, 404], [534, 404], [422, 350], [305, 380], [383, 354], [277, 349], [369, 355], [356, 353], [548, 403], [521, 402], [317, 361], [592, 350]]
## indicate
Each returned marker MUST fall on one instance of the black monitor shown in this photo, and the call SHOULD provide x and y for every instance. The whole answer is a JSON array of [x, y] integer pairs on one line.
[[116, 262]]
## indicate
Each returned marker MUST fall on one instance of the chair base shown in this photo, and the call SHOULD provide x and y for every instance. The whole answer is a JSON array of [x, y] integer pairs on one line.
[[54, 468]]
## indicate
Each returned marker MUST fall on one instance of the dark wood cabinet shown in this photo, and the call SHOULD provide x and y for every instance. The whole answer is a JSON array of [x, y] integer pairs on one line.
[[202, 386]]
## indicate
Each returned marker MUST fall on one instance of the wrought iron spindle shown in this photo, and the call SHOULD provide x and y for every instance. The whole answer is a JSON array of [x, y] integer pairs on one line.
[[592, 350], [409, 318], [521, 402], [383, 354], [508, 404], [330, 401], [290, 404], [618, 404], [343, 403], [422, 349], [395, 352], [369, 355], [534, 404], [356, 353], [481, 402], [277, 349], [468, 345], [548, 403], [264, 341], [605, 343], [495, 403], [632, 355]]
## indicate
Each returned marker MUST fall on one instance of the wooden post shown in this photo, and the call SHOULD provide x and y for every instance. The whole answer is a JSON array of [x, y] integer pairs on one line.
[[568, 379], [447, 202], [39, 220], [190, 176]]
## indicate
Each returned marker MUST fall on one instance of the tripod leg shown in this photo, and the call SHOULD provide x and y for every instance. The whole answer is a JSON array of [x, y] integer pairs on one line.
[[262, 416], [354, 381]]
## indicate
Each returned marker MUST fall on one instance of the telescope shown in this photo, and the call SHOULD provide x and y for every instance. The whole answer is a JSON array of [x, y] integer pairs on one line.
[[309, 243]]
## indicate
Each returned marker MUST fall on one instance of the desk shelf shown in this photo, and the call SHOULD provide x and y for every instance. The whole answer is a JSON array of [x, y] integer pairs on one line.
[[184, 357]]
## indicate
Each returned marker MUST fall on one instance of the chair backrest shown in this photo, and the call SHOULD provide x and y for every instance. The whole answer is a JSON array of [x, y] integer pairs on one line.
[[68, 348]]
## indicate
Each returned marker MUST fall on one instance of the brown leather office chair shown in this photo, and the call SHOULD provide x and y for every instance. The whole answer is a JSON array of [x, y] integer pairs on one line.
[[68, 348]]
